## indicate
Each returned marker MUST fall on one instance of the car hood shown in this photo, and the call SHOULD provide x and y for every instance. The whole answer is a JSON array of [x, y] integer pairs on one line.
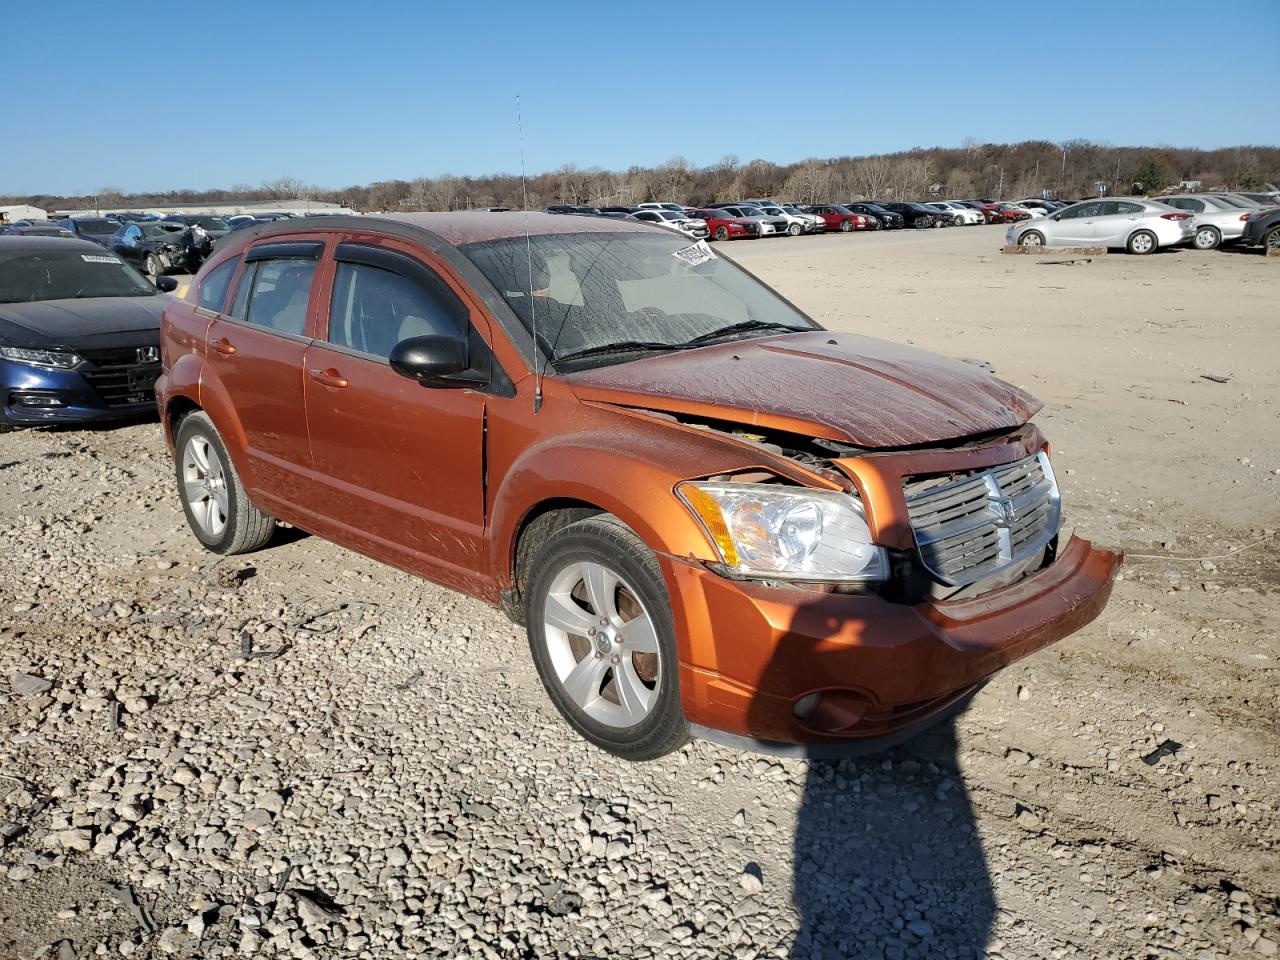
[[837, 386], [51, 323]]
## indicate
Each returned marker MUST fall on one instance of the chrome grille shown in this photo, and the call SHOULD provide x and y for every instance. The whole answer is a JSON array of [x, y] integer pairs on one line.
[[118, 376], [975, 526]]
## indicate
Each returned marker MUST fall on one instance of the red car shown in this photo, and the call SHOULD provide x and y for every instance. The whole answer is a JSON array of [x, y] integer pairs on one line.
[[728, 228], [840, 218]]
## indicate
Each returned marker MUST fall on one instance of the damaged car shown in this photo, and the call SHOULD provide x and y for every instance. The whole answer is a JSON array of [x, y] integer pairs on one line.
[[712, 516], [156, 247]]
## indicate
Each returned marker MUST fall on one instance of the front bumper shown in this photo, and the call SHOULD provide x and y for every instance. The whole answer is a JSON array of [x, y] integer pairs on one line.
[[752, 652], [87, 393]]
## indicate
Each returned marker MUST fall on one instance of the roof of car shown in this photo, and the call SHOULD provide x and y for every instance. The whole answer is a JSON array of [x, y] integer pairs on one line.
[[13, 245]]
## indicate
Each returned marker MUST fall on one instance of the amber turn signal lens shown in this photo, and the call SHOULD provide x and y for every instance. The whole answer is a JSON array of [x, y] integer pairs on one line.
[[708, 511]]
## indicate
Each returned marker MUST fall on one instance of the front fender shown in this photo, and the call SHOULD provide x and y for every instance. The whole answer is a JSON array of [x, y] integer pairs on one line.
[[626, 466], [215, 402]]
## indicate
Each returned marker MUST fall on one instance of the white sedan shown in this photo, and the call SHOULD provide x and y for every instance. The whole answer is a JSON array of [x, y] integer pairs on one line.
[[1136, 225], [960, 214]]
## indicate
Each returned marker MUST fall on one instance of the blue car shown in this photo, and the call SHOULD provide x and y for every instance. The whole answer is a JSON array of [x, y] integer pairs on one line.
[[79, 333]]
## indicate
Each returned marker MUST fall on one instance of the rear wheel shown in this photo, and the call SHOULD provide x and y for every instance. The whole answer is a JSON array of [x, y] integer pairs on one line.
[[602, 639], [213, 498], [722, 233], [1207, 238], [1271, 239], [846, 226], [1142, 243], [1032, 238]]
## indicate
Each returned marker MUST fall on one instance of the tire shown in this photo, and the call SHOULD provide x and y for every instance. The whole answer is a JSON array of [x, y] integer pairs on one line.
[[1142, 243], [226, 524], [957, 221], [794, 229], [558, 602], [846, 226], [1207, 238], [7, 427], [922, 223], [1032, 238], [1271, 240], [152, 265], [722, 233]]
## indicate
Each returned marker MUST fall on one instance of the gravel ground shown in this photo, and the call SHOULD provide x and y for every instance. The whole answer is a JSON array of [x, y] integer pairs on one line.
[[304, 753]]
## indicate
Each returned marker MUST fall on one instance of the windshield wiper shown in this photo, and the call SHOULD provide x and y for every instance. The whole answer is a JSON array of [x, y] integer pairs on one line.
[[743, 327], [622, 346]]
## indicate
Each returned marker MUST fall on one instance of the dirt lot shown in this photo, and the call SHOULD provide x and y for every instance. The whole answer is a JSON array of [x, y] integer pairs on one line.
[[303, 753]]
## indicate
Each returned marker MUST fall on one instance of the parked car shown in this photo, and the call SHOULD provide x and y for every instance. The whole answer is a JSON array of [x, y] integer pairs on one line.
[[1264, 199], [887, 219], [575, 209], [915, 214], [215, 228], [1136, 225], [156, 247], [990, 211], [131, 217], [815, 223], [1262, 229], [653, 205], [769, 226], [724, 226], [79, 333], [95, 229], [34, 228], [1214, 221], [618, 211], [797, 223], [690, 226], [838, 217], [656, 463], [960, 215]]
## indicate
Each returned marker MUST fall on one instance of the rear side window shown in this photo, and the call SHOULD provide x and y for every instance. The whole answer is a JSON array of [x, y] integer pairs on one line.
[[213, 288], [374, 309], [275, 293], [1123, 206]]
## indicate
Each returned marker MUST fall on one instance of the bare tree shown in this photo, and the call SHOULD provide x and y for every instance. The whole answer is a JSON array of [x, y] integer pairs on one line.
[[871, 177], [286, 188]]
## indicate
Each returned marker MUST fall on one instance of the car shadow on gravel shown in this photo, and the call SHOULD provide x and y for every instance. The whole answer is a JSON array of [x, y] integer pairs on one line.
[[887, 859]]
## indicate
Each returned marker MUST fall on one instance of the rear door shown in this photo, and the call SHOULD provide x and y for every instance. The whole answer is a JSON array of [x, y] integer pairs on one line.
[[399, 466], [254, 358]]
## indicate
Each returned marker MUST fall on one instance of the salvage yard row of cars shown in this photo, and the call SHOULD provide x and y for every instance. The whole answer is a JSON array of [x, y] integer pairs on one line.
[[564, 416]]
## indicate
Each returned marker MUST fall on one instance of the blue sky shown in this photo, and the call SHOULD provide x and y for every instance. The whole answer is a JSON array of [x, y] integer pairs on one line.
[[219, 93]]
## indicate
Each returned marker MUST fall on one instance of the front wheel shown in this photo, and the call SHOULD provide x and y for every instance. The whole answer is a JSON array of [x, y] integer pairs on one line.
[[846, 226], [957, 221], [602, 638], [794, 229], [213, 498], [1032, 238], [722, 233], [153, 266], [1142, 243]]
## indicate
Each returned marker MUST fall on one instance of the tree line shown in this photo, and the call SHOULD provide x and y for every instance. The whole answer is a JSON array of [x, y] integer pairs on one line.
[[1068, 170]]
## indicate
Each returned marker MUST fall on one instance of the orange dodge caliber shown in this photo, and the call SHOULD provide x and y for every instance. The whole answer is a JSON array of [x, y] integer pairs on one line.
[[712, 515]]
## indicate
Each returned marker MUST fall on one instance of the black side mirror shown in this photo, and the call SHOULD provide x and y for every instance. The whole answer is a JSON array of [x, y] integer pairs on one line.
[[434, 361], [166, 284]]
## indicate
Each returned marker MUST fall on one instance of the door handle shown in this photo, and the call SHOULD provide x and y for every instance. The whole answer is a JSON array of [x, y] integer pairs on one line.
[[329, 377], [223, 345]]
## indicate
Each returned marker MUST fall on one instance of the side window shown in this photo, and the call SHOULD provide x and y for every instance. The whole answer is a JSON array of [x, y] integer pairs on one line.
[[1124, 206], [279, 294], [213, 288], [133, 235], [242, 292], [374, 309]]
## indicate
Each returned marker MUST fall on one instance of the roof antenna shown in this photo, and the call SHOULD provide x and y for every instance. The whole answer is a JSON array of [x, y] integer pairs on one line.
[[528, 250]]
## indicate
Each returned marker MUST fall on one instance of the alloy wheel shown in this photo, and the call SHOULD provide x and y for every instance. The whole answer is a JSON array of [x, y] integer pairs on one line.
[[602, 643], [1142, 243], [204, 485]]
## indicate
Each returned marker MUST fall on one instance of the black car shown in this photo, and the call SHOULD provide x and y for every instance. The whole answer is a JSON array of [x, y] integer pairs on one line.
[[79, 333], [618, 212], [95, 229], [888, 219], [156, 247], [214, 227], [576, 209], [917, 214], [1262, 229]]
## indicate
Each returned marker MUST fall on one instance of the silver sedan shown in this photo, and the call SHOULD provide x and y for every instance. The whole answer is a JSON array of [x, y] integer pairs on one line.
[[1134, 224], [1214, 220]]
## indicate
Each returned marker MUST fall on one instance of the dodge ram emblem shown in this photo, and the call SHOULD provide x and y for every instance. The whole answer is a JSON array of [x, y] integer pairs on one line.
[[1006, 510]]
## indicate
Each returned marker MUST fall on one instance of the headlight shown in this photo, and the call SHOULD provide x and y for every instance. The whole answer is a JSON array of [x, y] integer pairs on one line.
[[775, 532], [41, 358]]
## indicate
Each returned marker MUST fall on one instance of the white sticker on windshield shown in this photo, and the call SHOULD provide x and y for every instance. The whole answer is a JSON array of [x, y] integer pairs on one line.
[[97, 258], [700, 252]]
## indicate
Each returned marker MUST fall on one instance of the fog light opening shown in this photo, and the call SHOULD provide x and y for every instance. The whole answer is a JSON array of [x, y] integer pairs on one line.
[[35, 400], [806, 705]]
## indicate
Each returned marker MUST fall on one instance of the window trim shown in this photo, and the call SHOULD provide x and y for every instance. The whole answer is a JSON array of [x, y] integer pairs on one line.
[[293, 250]]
